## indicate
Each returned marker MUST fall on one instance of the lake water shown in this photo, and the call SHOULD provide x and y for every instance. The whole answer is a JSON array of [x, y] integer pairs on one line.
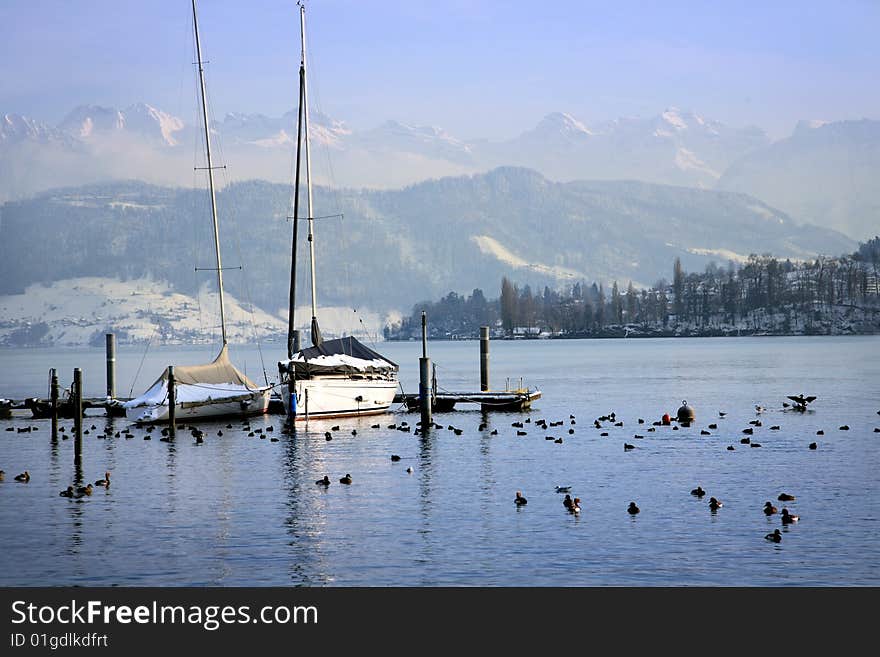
[[244, 511]]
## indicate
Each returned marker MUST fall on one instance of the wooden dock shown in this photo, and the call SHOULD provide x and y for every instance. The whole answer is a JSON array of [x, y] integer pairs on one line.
[[509, 400]]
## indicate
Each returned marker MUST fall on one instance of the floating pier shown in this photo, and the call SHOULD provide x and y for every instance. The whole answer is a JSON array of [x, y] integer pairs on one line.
[[519, 399], [512, 400]]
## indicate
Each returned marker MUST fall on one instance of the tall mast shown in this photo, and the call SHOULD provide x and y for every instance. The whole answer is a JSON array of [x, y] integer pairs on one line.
[[210, 175], [316, 334], [291, 311]]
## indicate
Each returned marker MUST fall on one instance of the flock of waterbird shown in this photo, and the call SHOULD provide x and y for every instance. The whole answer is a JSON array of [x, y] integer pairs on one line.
[[572, 505]]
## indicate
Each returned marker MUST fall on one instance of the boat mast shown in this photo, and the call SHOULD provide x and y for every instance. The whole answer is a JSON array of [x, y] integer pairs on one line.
[[291, 312], [316, 333], [210, 175]]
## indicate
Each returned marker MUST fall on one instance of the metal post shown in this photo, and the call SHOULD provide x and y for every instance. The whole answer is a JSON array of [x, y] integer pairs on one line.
[[484, 359], [172, 403], [425, 379], [111, 365], [53, 394], [77, 411]]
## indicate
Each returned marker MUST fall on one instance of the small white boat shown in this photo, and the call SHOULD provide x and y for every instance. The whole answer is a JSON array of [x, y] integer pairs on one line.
[[216, 389], [332, 378]]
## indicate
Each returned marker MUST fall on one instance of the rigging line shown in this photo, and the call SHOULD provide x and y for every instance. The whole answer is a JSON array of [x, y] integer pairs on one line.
[[232, 221], [143, 358]]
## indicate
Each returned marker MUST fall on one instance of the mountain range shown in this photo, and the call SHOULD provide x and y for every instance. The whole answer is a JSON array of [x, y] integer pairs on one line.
[[821, 174], [384, 250]]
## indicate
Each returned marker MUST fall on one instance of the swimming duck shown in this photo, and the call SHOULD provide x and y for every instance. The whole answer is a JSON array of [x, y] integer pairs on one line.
[[563, 489], [714, 504], [409, 470], [698, 491], [346, 479], [567, 502], [520, 500], [776, 536], [769, 509], [87, 490], [785, 497], [576, 505], [105, 482], [323, 482], [713, 426], [24, 477], [814, 446], [395, 457], [788, 518], [627, 447], [730, 448], [68, 492], [820, 432], [632, 509]]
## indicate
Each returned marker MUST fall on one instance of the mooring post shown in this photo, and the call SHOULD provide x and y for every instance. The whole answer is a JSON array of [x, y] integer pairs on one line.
[[484, 359], [77, 411], [53, 395], [172, 402], [425, 379], [111, 365]]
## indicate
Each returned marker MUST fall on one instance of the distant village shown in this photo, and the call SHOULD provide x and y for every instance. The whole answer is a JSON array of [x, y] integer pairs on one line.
[[762, 296]]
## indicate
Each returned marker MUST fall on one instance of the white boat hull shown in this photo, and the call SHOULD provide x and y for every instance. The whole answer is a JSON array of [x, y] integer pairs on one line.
[[254, 403], [331, 396]]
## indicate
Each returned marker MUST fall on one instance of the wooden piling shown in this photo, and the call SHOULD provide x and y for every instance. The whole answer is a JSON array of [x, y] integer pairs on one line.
[[484, 359], [172, 402], [111, 365], [53, 395], [77, 414], [425, 380]]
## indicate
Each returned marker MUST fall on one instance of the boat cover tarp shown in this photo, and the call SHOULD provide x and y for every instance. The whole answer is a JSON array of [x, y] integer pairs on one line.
[[196, 383], [345, 355]]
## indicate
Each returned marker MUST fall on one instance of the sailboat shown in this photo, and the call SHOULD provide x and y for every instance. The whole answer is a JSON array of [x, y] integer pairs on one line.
[[218, 388], [332, 378]]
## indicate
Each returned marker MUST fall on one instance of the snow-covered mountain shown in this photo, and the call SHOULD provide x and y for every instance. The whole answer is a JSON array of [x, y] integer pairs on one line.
[[88, 122], [676, 147], [824, 173]]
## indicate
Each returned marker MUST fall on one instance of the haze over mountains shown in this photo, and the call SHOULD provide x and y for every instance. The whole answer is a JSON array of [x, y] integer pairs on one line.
[[822, 174]]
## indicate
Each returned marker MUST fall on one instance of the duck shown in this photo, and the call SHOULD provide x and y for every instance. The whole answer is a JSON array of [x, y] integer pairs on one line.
[[567, 502], [714, 504], [722, 413], [68, 492], [785, 497], [409, 470], [346, 479], [105, 482], [705, 433], [769, 509], [576, 505], [776, 536], [84, 490], [24, 477], [731, 448], [814, 446], [627, 447], [395, 457], [820, 432], [563, 489], [520, 500], [788, 518], [2, 475], [632, 509], [698, 491], [323, 482]]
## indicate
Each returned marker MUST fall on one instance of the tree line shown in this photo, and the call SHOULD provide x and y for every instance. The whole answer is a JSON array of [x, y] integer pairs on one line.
[[761, 295]]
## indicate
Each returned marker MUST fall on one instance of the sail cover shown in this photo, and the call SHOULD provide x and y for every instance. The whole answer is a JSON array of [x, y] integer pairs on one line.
[[198, 383], [340, 356]]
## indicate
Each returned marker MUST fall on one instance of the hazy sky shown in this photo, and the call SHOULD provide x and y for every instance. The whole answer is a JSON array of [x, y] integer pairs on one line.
[[480, 68]]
